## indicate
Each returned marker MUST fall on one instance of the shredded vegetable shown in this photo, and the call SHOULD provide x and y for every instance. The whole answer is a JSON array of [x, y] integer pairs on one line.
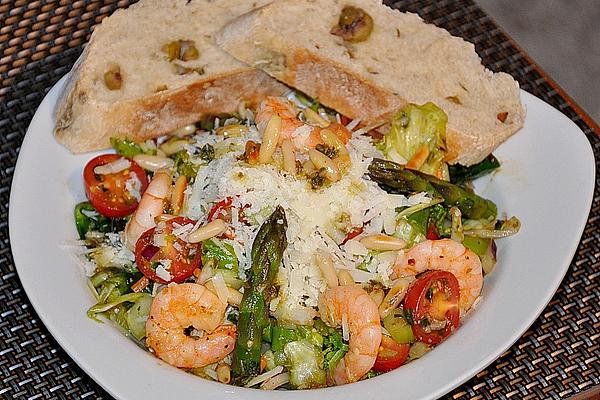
[[240, 259]]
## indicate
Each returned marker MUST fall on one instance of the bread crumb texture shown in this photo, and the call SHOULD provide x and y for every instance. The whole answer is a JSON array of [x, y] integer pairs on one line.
[[155, 92]]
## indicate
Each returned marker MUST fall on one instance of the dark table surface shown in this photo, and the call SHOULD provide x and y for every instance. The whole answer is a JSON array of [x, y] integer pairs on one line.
[[558, 357]]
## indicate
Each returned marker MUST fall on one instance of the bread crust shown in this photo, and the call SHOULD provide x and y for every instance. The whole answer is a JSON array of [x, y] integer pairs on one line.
[[163, 112], [88, 114], [339, 88], [251, 38]]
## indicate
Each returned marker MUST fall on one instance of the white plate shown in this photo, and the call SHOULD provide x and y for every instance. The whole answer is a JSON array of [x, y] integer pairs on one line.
[[547, 180]]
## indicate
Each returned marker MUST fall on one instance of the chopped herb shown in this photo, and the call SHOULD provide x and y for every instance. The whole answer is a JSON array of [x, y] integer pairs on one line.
[[364, 265], [207, 153], [329, 151], [88, 219], [317, 179], [184, 166], [408, 316], [126, 147], [232, 315], [334, 347]]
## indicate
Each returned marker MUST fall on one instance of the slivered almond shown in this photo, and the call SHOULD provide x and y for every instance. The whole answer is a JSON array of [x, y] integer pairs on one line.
[[177, 196], [171, 147], [269, 140], [185, 130], [223, 372], [153, 163], [325, 264], [394, 296], [320, 160], [345, 278], [315, 119], [289, 157], [381, 242], [205, 232]]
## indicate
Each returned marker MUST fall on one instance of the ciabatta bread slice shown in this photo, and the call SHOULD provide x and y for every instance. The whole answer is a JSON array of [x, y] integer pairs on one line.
[[155, 88], [403, 60]]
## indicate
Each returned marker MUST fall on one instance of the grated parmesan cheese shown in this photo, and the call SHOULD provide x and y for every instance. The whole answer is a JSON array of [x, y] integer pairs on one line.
[[263, 377], [159, 239], [220, 287], [345, 328], [182, 230], [133, 185], [162, 270], [311, 217]]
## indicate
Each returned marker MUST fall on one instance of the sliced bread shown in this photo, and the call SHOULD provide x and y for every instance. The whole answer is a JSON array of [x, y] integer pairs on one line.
[[403, 60], [153, 68]]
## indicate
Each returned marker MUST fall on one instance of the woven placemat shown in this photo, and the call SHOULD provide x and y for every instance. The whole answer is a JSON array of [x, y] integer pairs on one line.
[[556, 358]]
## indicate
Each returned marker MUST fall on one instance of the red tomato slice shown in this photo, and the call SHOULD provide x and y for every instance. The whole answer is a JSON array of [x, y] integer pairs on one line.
[[181, 257], [391, 355], [222, 210], [354, 232], [433, 300], [108, 193], [432, 232]]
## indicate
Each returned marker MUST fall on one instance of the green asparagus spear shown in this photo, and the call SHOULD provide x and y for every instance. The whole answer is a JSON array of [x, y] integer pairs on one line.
[[460, 174], [267, 252], [394, 178]]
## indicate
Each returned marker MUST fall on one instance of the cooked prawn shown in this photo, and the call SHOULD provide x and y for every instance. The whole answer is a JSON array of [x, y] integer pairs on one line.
[[174, 310], [302, 135], [445, 255], [281, 107], [297, 132], [353, 306], [150, 207]]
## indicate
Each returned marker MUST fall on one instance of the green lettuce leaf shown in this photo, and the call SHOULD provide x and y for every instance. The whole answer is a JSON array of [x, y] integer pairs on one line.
[[414, 129]]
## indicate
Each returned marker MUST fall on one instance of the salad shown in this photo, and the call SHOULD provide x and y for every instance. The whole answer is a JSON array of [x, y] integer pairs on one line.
[[287, 246]]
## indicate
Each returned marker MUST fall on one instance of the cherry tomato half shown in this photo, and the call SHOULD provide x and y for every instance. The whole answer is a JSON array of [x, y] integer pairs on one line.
[[159, 247], [433, 302], [109, 193], [391, 355]]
